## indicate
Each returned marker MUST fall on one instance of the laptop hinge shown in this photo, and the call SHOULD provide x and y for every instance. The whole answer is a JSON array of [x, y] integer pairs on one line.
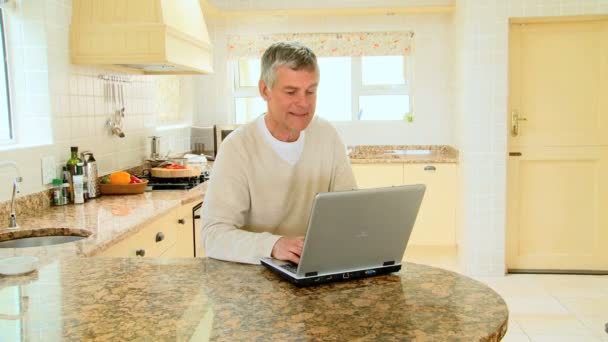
[[388, 263], [310, 274]]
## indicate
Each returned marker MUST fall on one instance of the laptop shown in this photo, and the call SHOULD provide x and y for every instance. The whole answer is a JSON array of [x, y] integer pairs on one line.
[[354, 234]]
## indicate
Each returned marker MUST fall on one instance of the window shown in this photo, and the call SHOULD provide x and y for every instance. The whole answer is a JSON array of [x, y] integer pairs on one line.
[[351, 88], [6, 126]]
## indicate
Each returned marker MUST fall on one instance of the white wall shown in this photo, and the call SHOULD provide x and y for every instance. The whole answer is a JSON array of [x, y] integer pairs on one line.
[[481, 72], [432, 71], [57, 105]]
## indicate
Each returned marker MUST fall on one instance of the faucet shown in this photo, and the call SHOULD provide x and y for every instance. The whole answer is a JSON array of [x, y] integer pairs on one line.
[[13, 219], [12, 224]]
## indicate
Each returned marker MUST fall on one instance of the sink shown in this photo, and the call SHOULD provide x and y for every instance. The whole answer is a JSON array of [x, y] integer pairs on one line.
[[409, 152], [37, 241]]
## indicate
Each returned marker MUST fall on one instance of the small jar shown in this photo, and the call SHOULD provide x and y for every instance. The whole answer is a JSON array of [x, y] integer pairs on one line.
[[58, 198]]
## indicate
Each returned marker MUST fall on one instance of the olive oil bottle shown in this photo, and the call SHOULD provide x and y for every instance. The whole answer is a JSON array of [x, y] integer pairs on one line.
[[71, 164]]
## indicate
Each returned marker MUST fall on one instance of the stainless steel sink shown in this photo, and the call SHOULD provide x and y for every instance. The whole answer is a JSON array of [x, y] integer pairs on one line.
[[38, 241], [409, 152]]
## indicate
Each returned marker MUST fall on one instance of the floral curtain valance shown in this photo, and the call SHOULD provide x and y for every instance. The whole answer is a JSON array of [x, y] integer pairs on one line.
[[327, 44]]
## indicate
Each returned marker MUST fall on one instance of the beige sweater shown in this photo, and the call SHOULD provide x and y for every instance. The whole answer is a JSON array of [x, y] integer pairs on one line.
[[255, 197]]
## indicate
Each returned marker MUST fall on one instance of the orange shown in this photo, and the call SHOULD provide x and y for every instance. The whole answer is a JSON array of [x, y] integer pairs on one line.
[[120, 178]]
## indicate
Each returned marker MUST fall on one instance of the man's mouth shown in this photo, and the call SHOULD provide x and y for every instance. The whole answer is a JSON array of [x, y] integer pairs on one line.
[[298, 114]]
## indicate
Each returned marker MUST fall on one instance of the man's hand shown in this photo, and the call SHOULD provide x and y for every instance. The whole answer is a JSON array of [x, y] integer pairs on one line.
[[288, 249]]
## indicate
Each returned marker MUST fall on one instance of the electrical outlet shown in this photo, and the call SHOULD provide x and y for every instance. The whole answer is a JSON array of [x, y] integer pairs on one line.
[[49, 169]]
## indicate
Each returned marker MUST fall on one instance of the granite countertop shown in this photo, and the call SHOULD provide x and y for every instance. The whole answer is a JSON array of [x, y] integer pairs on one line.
[[110, 299], [105, 220], [371, 154]]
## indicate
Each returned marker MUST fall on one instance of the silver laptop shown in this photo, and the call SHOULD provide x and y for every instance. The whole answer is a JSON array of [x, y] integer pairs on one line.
[[354, 234]]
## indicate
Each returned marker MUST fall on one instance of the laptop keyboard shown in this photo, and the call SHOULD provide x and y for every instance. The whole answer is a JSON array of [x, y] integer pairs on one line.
[[291, 267]]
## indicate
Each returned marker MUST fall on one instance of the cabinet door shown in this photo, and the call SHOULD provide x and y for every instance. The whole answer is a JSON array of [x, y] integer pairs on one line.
[[435, 224], [151, 241], [184, 247], [378, 175]]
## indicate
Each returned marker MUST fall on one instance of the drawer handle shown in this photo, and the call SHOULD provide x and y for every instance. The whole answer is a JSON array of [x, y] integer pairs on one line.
[[160, 236], [181, 221], [140, 252], [430, 168]]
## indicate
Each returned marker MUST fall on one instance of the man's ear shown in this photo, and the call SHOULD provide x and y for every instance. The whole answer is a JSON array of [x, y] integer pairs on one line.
[[264, 91]]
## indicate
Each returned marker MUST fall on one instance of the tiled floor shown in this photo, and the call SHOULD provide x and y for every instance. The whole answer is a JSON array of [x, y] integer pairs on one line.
[[541, 307]]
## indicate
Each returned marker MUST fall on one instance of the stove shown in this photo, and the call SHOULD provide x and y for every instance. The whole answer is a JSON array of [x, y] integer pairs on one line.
[[179, 183]]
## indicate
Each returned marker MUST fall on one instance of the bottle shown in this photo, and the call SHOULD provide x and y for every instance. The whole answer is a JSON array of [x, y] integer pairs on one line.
[[65, 191], [66, 186], [71, 164], [78, 184], [91, 174], [57, 192]]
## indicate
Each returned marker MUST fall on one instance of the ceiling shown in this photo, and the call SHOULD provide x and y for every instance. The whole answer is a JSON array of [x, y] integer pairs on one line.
[[269, 5]]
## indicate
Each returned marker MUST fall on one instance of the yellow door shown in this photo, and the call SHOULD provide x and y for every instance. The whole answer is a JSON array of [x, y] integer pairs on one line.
[[557, 171]]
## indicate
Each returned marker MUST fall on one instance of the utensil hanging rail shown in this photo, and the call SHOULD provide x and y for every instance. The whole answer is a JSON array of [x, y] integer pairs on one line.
[[115, 78]]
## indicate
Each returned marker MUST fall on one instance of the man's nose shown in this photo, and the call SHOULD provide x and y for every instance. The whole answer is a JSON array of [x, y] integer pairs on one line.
[[303, 101]]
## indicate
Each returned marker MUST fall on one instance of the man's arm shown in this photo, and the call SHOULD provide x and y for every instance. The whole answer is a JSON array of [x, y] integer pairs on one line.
[[225, 206], [342, 173]]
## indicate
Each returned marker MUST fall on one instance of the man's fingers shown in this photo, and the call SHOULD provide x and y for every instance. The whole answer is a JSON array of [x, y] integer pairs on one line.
[[294, 258], [296, 250]]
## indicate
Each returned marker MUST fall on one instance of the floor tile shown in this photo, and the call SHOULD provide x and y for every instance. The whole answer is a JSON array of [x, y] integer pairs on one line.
[[540, 305], [561, 325], [514, 327], [514, 337], [587, 306], [597, 325], [561, 338]]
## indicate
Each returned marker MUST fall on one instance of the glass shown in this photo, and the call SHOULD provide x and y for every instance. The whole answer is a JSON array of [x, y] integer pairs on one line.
[[334, 92], [249, 108], [383, 107], [249, 72], [382, 70]]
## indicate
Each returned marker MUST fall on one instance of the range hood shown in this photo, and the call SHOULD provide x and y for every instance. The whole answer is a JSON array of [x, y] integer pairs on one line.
[[146, 36]]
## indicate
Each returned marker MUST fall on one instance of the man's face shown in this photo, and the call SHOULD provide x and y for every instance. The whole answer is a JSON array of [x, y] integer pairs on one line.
[[292, 99]]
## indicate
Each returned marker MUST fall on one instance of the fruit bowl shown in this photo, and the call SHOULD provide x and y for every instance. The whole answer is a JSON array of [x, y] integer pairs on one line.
[[126, 189]]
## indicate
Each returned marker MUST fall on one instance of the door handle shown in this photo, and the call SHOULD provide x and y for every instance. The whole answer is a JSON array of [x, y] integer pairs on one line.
[[515, 119]]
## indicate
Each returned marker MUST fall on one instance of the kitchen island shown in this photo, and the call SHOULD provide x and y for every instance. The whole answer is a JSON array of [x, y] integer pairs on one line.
[[198, 299]]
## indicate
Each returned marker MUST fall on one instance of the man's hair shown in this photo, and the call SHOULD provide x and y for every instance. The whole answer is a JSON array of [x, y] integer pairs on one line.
[[290, 54]]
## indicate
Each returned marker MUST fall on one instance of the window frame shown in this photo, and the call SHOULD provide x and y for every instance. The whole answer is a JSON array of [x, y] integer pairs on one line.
[[357, 88], [5, 65]]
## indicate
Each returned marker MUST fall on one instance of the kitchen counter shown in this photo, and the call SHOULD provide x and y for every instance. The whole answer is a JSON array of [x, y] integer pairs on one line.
[[373, 154], [111, 299], [105, 220]]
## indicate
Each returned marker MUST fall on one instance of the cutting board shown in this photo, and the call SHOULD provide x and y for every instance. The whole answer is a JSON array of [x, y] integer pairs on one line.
[[174, 173]]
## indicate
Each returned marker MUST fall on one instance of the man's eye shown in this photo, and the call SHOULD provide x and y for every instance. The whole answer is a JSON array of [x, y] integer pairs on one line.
[[291, 92]]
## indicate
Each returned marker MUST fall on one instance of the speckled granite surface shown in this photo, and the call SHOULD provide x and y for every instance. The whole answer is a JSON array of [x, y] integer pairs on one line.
[[112, 299], [368, 154], [108, 219]]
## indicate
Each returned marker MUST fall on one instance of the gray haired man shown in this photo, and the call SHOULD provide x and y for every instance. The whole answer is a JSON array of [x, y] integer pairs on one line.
[[268, 171]]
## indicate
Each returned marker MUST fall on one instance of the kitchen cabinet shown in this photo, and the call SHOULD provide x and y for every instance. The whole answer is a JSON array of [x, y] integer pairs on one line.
[[184, 246], [378, 175], [151, 241], [170, 236], [436, 221]]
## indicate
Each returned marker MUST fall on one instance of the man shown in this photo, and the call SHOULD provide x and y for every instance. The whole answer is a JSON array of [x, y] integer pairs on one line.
[[268, 171]]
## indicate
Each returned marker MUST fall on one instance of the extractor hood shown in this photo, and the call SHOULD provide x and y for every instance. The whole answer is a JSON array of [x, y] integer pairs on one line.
[[147, 36]]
